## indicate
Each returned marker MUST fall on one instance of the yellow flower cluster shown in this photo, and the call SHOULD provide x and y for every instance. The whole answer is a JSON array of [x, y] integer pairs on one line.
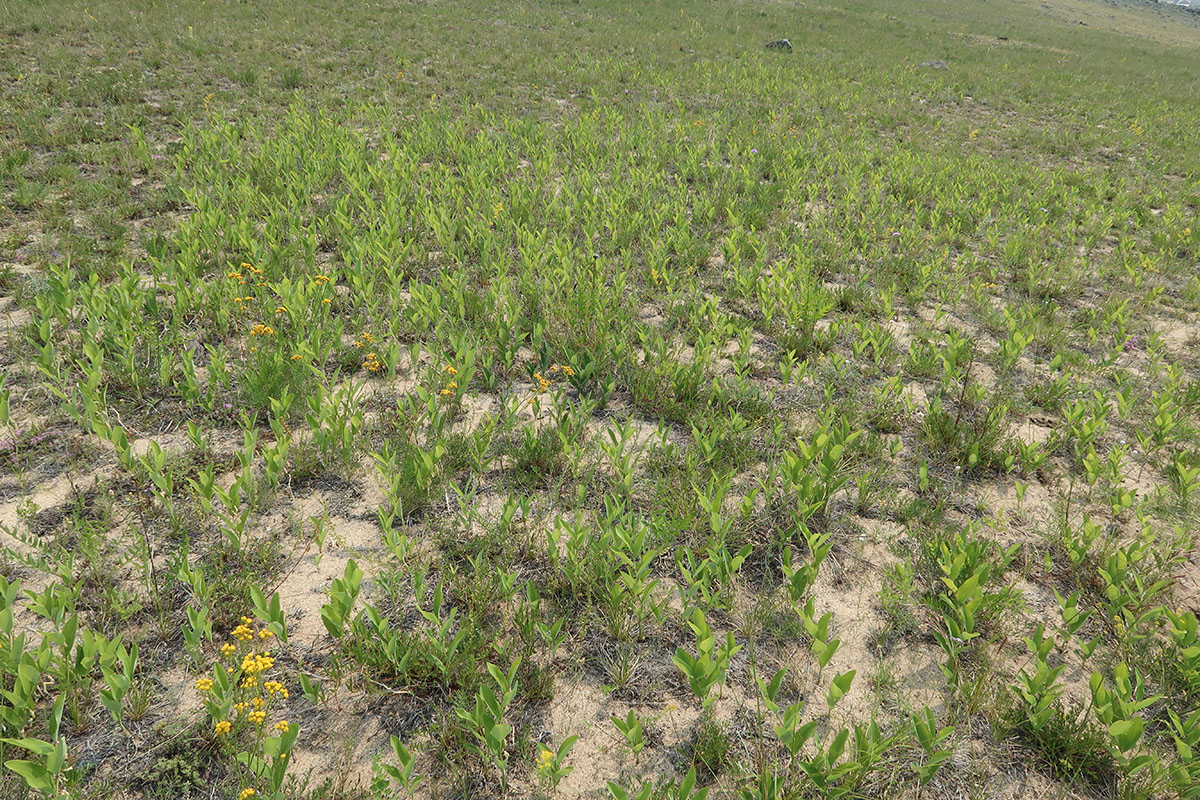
[[545, 762], [249, 665], [242, 632], [262, 330], [321, 279], [371, 362], [247, 794], [235, 275], [542, 384], [253, 663], [452, 387], [253, 269]]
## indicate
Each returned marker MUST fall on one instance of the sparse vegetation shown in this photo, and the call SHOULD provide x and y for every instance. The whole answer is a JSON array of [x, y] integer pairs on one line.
[[560, 399]]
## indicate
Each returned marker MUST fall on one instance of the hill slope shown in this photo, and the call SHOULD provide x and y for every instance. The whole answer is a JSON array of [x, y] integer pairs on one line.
[[586, 393]]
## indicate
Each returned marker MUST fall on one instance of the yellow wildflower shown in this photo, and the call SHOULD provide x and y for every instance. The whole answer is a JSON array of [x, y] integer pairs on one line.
[[253, 664], [223, 727], [204, 684], [274, 687], [545, 762]]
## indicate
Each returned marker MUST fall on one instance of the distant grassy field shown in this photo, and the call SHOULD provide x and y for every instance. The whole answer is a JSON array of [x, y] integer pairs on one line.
[[564, 399]]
